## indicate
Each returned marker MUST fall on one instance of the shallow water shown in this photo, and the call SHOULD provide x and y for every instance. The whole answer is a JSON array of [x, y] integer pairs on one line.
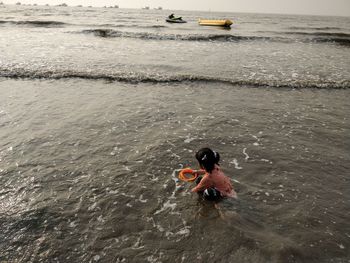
[[95, 125], [89, 169]]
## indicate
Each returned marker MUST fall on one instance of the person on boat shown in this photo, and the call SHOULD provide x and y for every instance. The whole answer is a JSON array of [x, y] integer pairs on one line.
[[172, 16], [214, 185]]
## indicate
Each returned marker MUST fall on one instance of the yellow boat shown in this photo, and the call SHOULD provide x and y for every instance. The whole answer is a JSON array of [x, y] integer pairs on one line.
[[218, 22]]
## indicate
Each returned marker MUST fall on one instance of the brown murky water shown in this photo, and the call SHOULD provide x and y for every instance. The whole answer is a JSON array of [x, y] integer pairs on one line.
[[88, 172], [101, 107]]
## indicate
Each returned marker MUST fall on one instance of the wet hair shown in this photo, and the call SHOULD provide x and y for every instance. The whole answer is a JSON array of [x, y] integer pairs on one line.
[[207, 159]]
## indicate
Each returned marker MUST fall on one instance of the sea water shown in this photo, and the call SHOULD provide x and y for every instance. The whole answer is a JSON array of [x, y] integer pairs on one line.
[[100, 108]]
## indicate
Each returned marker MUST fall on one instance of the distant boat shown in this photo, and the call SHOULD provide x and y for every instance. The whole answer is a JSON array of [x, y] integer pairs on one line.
[[18, 3], [175, 20], [146, 7], [63, 4], [215, 22]]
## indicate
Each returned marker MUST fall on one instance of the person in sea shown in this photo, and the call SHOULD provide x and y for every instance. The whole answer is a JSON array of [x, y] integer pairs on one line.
[[172, 16], [214, 185]]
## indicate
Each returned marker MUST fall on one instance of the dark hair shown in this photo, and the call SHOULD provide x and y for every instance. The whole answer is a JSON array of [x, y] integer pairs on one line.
[[207, 159]]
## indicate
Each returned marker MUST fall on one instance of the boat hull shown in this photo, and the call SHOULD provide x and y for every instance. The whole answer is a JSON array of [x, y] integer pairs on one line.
[[178, 21]]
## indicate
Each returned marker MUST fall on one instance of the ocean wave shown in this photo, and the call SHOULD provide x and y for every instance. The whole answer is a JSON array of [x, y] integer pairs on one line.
[[155, 26], [35, 23], [340, 38], [340, 41], [110, 33], [320, 34], [314, 28], [126, 26], [135, 78], [324, 37], [304, 37]]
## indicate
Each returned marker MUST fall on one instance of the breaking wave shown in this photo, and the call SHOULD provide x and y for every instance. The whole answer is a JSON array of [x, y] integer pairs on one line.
[[35, 23], [318, 37], [324, 37], [135, 78], [128, 26], [320, 34], [110, 33], [314, 28]]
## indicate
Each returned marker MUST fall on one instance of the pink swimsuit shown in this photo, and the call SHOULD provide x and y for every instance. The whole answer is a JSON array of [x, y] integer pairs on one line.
[[216, 179]]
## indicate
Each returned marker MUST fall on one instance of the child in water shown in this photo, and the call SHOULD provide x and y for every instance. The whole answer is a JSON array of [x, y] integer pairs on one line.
[[214, 185]]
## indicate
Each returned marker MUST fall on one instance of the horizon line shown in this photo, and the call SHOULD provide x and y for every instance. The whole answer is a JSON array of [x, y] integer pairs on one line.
[[165, 9]]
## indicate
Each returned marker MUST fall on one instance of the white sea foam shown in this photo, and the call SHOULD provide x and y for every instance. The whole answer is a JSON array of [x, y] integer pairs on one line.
[[171, 143], [92, 207], [166, 206], [176, 182], [341, 246], [246, 155], [137, 244], [235, 162], [159, 227], [142, 200], [152, 259], [126, 195], [257, 140], [154, 178], [175, 155], [184, 231], [169, 234], [188, 140]]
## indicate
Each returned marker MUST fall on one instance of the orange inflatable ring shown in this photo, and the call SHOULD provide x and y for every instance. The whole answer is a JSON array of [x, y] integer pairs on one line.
[[184, 172]]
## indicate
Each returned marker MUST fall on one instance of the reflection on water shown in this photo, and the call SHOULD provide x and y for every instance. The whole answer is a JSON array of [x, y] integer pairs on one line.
[[90, 174]]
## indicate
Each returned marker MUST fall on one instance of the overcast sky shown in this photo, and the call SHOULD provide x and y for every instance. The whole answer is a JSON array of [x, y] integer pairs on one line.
[[313, 7]]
